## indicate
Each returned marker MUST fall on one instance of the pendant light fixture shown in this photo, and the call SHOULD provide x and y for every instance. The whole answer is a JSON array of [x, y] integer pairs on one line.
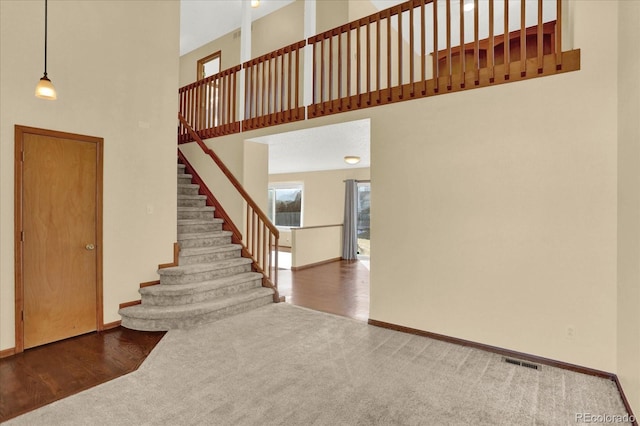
[[45, 89]]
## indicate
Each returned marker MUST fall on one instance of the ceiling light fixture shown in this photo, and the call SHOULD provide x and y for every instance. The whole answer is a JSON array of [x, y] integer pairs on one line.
[[45, 89], [469, 6], [352, 159], [255, 3]]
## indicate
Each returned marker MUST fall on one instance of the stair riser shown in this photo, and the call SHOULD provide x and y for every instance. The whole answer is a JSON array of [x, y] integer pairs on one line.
[[174, 323], [189, 202], [204, 242], [195, 214], [200, 227], [184, 180], [209, 257], [162, 300], [188, 190], [203, 276]]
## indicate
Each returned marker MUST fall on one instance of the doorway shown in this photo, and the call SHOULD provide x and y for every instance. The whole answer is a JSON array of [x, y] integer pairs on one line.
[[58, 235]]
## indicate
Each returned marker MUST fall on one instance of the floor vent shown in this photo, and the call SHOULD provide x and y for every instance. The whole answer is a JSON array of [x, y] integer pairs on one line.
[[522, 363]]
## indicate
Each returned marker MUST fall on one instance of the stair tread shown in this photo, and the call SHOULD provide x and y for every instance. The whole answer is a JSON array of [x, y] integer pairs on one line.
[[205, 250], [177, 290], [198, 221], [177, 311], [195, 208], [198, 235], [192, 197], [185, 175], [204, 267]]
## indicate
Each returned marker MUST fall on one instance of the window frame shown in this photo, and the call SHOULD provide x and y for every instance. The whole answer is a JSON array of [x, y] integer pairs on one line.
[[271, 206]]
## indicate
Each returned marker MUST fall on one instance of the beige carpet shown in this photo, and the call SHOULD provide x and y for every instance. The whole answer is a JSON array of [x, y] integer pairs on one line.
[[285, 365]]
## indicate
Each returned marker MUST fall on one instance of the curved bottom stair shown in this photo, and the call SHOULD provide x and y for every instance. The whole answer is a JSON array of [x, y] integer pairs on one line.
[[212, 280]]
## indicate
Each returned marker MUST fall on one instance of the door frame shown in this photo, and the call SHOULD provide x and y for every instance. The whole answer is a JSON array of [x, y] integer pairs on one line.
[[20, 131]]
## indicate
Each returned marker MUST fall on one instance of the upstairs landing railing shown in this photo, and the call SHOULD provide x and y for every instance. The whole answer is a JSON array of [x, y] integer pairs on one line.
[[260, 241], [415, 49]]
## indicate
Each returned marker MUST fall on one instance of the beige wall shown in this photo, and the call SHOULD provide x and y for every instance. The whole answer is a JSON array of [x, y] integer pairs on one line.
[[505, 237], [513, 232], [126, 96], [629, 202], [311, 246], [331, 14], [278, 29]]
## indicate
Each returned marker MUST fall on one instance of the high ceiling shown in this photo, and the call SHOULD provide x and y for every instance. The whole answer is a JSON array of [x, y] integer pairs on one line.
[[202, 21]]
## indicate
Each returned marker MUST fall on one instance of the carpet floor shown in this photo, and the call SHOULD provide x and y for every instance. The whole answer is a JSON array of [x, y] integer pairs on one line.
[[285, 365]]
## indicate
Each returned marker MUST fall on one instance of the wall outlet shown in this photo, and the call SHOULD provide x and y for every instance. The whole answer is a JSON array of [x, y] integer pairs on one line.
[[571, 332]]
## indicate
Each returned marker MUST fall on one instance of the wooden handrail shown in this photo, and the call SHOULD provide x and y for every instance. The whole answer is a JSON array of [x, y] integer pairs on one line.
[[261, 236], [524, 53]]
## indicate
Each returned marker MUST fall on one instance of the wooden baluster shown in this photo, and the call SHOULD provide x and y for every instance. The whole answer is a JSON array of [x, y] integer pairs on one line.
[[540, 39], [378, 58], [265, 245], [330, 97], [436, 68], [389, 88], [368, 63], [506, 44], [315, 73], [423, 48], [269, 89], [256, 236], [463, 56], [264, 92], [476, 44], [411, 54], [400, 41], [558, 34], [491, 53], [340, 94], [523, 39], [275, 264], [247, 234], [322, 73], [297, 82], [229, 100], [283, 79], [358, 67], [235, 106], [289, 83], [349, 67], [219, 104], [449, 64]]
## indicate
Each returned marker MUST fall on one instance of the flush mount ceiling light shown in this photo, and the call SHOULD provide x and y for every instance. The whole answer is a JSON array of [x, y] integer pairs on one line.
[[352, 159], [45, 89], [469, 6], [255, 3]]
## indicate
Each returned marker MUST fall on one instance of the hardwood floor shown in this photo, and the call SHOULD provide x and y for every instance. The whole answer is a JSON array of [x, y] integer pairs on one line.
[[47, 373], [51, 372], [340, 288]]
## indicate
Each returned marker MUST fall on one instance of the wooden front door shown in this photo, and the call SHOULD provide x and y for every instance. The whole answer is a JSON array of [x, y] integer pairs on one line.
[[58, 233]]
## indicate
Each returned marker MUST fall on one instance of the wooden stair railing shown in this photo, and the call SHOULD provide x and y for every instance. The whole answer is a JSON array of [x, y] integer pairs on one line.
[[261, 238], [424, 47], [272, 88], [210, 105]]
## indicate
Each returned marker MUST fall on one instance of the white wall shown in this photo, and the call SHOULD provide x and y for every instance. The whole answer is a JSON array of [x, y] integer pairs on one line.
[[629, 202], [115, 67]]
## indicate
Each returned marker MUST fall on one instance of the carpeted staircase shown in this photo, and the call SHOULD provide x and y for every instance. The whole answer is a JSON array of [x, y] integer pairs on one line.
[[212, 280]]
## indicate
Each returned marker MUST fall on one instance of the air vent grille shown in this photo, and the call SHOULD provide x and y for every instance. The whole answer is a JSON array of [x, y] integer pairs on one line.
[[522, 363]]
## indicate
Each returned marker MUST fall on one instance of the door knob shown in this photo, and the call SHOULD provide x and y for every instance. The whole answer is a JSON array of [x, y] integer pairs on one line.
[[89, 246]]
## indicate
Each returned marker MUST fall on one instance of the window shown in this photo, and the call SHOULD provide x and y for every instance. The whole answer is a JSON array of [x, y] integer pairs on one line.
[[285, 204], [209, 65]]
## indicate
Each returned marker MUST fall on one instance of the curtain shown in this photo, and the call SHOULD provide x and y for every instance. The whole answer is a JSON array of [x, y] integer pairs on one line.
[[350, 224]]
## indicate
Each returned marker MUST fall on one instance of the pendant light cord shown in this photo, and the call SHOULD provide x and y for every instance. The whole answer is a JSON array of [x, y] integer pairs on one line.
[[45, 38]]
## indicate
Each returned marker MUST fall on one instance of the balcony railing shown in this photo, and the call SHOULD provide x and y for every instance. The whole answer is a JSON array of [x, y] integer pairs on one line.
[[415, 49]]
